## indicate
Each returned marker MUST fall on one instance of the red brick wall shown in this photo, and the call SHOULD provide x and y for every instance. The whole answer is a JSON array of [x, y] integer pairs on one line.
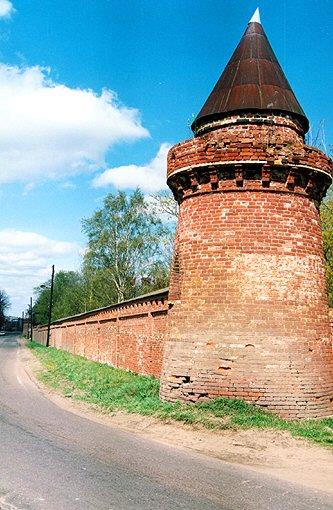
[[248, 305], [250, 314], [129, 335], [279, 140]]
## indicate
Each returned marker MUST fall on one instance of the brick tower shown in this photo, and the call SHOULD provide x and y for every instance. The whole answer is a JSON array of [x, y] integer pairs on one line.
[[248, 305]]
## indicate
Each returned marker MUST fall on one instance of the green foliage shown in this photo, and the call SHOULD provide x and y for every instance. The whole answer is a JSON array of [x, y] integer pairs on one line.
[[128, 254], [326, 214], [42, 303], [114, 389], [4, 305], [127, 248], [69, 296]]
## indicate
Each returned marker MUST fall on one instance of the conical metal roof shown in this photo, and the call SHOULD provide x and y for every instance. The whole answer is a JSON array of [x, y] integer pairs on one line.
[[253, 80]]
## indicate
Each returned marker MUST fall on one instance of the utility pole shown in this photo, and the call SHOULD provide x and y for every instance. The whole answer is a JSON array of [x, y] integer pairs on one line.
[[50, 310], [31, 319]]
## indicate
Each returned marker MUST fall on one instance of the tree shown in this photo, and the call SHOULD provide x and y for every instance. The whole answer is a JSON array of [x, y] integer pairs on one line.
[[127, 246], [164, 204], [42, 303], [128, 253], [326, 214], [69, 297], [4, 305]]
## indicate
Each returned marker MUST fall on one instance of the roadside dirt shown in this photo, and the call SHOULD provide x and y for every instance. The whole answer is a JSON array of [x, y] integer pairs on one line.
[[272, 452]]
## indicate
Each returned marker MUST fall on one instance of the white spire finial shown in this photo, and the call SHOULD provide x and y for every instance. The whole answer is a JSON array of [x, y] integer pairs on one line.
[[256, 16]]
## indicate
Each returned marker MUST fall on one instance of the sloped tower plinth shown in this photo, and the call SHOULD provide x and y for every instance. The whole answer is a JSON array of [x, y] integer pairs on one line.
[[249, 312]]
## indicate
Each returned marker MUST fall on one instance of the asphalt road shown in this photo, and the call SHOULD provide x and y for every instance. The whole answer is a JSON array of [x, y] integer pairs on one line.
[[54, 460]]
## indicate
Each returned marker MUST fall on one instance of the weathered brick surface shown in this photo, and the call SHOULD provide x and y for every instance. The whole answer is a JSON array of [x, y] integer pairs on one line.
[[279, 141], [129, 335], [250, 315]]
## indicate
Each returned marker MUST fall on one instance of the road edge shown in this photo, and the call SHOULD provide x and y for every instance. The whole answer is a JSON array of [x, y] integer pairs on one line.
[[243, 454]]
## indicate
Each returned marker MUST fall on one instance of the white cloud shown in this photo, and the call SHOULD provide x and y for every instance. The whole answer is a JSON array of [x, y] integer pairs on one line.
[[28, 188], [6, 8], [51, 131], [25, 262], [150, 178], [68, 185]]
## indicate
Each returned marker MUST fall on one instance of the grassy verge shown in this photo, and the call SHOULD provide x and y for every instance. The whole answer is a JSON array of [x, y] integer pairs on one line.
[[114, 389]]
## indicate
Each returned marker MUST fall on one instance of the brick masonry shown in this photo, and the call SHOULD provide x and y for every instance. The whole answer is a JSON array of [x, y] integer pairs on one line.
[[246, 315], [249, 314], [129, 335], [247, 307]]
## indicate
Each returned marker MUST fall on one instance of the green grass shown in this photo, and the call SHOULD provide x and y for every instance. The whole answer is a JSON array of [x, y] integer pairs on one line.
[[114, 389]]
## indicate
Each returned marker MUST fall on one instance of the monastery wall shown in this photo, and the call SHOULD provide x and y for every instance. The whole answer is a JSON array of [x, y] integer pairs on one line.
[[128, 335]]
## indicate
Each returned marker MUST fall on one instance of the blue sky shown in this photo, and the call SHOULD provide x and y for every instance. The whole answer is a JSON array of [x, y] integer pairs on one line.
[[156, 63]]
